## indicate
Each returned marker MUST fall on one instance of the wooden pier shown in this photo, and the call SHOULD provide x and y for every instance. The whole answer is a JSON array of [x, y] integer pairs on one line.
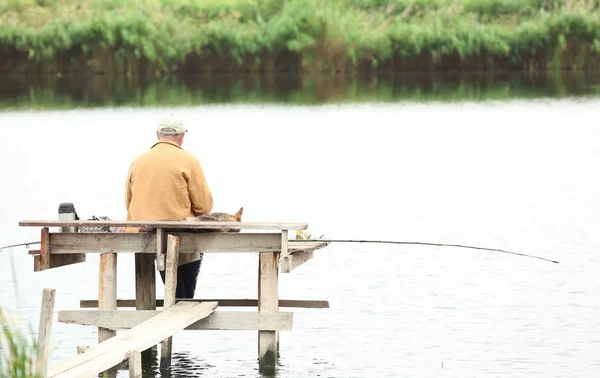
[[145, 327]]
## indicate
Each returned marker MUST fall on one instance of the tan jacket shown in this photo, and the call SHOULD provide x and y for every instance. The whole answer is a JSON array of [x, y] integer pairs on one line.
[[166, 183]]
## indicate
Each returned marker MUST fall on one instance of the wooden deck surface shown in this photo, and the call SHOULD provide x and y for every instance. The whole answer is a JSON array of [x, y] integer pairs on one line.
[[167, 224]]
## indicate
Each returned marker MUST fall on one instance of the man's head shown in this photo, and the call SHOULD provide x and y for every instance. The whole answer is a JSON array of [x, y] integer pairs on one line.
[[171, 128]]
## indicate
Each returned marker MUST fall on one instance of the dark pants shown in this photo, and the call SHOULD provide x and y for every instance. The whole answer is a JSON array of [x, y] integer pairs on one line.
[[187, 276]]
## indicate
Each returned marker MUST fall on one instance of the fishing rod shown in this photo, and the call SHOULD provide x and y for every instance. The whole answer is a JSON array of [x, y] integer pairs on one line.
[[20, 245], [372, 241], [420, 243]]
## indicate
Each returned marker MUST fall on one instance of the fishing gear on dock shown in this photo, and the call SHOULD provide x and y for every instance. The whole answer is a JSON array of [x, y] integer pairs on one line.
[[421, 243]]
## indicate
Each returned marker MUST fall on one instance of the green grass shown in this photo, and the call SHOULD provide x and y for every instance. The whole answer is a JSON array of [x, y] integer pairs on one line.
[[160, 36], [18, 350]]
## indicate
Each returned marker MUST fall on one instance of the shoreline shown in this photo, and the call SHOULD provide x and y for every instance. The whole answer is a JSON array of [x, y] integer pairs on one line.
[[298, 36], [94, 91]]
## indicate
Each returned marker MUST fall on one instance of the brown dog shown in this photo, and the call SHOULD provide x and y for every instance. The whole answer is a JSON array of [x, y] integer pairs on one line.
[[212, 217]]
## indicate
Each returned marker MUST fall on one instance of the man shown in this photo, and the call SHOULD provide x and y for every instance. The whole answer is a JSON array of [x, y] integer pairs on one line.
[[168, 183]]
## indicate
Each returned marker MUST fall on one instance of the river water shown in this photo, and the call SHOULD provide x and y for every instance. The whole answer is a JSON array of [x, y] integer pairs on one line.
[[511, 173]]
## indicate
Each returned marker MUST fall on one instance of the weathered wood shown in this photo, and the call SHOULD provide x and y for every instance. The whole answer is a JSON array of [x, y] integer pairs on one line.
[[107, 290], [161, 247], [168, 224], [61, 243], [58, 260], [298, 303], [113, 351], [135, 364], [296, 246], [284, 252], [145, 282], [145, 287], [267, 302], [294, 260], [44, 262], [218, 320], [170, 289], [44, 332], [299, 253]]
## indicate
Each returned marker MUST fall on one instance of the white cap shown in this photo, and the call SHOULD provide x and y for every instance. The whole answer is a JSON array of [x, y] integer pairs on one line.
[[171, 125]]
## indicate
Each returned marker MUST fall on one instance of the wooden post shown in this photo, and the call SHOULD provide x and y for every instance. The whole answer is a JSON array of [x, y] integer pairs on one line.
[[45, 249], [107, 290], [135, 364], [172, 262], [44, 332], [268, 301], [161, 242], [145, 282], [145, 287]]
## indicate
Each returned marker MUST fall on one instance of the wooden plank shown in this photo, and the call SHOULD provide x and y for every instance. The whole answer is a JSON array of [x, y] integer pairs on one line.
[[107, 290], [167, 224], [58, 260], [295, 246], [293, 261], [171, 264], [268, 302], [217, 242], [217, 321], [135, 364], [113, 351], [245, 302], [44, 332], [299, 253]]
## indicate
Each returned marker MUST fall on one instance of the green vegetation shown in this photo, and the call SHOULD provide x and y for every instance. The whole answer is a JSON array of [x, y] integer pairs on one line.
[[160, 36], [18, 351]]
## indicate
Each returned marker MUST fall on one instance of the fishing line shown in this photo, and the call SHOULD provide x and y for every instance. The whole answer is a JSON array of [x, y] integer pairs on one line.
[[421, 243]]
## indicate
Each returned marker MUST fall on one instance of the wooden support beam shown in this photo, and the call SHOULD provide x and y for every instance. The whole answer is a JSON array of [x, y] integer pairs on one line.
[[145, 286], [171, 264], [217, 321], [107, 290], [190, 243], [161, 247], [268, 300], [295, 303], [113, 351], [135, 364], [44, 261], [44, 332], [294, 260]]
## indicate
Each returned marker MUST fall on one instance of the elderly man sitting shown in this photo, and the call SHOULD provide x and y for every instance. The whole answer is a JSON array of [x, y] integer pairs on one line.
[[168, 183]]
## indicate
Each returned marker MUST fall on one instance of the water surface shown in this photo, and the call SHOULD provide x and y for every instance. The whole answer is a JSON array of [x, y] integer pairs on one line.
[[514, 174]]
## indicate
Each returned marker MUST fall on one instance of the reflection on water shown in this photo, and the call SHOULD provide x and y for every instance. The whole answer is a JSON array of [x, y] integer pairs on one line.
[[100, 91], [183, 364]]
